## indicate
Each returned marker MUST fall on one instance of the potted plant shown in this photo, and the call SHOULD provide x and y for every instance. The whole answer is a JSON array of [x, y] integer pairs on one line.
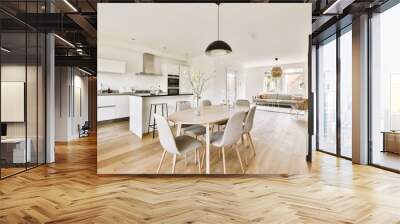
[[197, 82]]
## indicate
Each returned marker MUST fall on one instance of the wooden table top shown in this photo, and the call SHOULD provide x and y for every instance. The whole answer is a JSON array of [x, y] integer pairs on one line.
[[209, 114]]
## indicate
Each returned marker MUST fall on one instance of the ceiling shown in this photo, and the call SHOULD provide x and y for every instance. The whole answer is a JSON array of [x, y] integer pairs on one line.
[[257, 33]]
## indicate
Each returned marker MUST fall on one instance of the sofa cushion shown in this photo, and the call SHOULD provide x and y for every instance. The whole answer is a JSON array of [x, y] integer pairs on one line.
[[284, 97], [269, 96]]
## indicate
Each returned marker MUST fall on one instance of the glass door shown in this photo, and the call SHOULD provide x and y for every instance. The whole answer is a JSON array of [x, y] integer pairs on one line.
[[326, 99]]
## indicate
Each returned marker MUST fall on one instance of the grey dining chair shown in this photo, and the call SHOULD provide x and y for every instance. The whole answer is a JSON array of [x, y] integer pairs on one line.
[[230, 137], [194, 130], [242, 103], [175, 145]]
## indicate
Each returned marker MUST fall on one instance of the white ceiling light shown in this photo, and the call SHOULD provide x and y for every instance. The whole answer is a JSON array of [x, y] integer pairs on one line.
[[64, 40], [70, 5], [5, 50]]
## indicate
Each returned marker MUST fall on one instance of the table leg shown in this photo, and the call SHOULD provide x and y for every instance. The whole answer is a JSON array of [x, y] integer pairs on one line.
[[208, 149], [178, 129]]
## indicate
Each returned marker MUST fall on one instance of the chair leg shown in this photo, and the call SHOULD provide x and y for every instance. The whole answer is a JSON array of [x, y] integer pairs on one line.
[[202, 158], [251, 143], [238, 155], [173, 164], [223, 159], [161, 161], [244, 144], [195, 156], [198, 160]]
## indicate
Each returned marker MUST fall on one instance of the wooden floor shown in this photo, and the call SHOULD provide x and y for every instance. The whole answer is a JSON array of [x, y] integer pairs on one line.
[[279, 139], [386, 159], [69, 191]]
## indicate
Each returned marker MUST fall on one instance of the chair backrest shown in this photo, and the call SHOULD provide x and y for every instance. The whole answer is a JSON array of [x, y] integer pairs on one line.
[[243, 103], [234, 129], [248, 124], [184, 106], [165, 135], [206, 103]]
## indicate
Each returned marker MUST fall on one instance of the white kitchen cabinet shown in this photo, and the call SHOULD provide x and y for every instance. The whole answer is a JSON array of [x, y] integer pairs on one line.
[[170, 69], [112, 107], [105, 113], [111, 66], [122, 106]]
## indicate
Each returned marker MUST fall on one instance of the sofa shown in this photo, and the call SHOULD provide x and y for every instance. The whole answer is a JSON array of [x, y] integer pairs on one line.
[[278, 100]]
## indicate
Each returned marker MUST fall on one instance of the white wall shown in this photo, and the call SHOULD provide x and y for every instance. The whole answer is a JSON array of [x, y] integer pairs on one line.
[[134, 60], [216, 70]]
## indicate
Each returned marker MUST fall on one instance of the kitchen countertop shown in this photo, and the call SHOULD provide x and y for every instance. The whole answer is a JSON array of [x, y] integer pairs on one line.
[[141, 94]]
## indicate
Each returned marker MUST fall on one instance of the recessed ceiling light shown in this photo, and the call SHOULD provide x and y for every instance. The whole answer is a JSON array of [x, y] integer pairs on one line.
[[5, 50], [84, 71], [70, 5], [64, 40]]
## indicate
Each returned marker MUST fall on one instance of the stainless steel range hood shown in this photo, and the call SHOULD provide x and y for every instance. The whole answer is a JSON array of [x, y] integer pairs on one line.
[[148, 65]]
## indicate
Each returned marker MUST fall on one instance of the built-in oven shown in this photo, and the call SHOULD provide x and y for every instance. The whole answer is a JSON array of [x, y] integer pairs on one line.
[[173, 91], [173, 81]]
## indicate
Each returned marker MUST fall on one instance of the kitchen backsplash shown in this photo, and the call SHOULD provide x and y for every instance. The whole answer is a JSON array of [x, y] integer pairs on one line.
[[124, 82]]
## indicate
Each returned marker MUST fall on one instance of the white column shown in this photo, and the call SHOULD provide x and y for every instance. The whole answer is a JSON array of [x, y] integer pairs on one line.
[[50, 99]]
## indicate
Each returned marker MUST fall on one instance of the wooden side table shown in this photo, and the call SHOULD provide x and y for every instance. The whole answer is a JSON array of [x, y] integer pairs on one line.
[[391, 141]]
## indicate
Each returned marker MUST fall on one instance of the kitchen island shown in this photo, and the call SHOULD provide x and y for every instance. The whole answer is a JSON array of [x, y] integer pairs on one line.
[[139, 109]]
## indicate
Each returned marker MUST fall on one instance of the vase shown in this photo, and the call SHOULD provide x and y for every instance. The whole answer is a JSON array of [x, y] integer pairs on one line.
[[197, 110]]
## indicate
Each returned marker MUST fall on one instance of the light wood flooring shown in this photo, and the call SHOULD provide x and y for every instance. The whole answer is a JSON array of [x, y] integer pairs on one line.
[[69, 191], [279, 139], [386, 159]]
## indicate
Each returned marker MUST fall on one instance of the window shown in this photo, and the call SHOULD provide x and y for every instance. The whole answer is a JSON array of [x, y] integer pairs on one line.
[[385, 89], [346, 93]]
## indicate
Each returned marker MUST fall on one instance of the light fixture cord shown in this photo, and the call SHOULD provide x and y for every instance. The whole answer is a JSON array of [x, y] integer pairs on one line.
[[218, 20]]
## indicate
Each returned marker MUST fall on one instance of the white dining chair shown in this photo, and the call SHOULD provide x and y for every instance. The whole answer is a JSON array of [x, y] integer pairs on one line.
[[230, 137], [247, 127], [242, 103], [175, 145]]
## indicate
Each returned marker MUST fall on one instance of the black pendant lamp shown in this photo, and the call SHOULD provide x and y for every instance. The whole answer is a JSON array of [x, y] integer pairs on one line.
[[218, 47]]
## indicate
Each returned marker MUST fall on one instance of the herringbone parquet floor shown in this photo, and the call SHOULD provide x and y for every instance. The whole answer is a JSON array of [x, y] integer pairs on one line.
[[69, 191]]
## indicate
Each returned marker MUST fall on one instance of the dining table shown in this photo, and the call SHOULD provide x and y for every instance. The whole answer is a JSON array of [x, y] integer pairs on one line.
[[206, 116]]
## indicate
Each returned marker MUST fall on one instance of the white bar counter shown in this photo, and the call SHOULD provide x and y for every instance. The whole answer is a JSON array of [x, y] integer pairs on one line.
[[139, 109]]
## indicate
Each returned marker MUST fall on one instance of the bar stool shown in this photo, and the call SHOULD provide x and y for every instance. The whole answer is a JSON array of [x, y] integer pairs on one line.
[[153, 110]]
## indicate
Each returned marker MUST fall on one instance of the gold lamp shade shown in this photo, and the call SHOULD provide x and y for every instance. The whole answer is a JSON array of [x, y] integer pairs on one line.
[[276, 72]]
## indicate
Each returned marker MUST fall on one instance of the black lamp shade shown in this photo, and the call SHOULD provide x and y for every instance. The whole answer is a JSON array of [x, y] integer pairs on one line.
[[218, 48]]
